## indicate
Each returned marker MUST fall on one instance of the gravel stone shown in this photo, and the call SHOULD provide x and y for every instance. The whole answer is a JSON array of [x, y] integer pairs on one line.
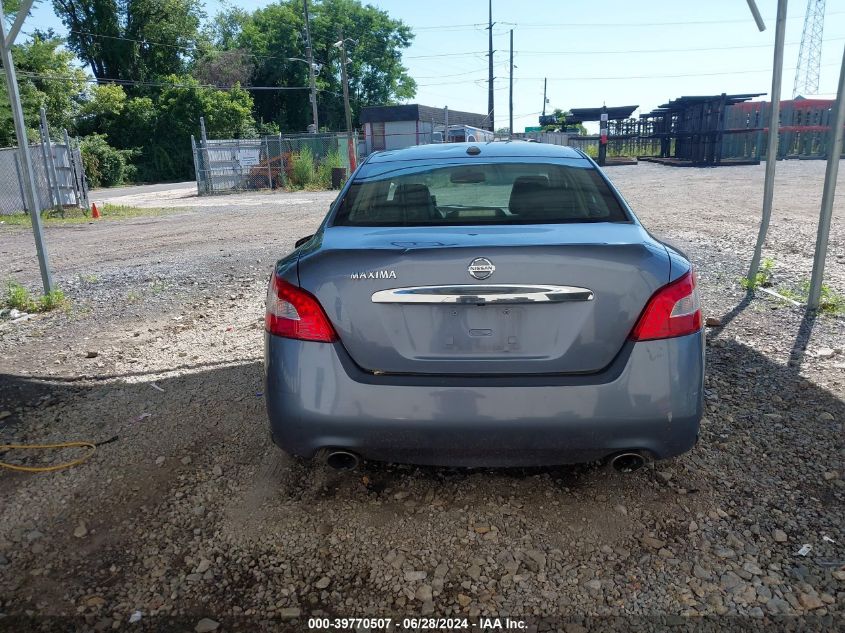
[[810, 601], [652, 542], [593, 587], [324, 582], [423, 593], [206, 625]]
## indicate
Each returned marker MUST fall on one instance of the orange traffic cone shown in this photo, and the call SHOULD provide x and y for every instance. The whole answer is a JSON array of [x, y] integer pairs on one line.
[[94, 212]]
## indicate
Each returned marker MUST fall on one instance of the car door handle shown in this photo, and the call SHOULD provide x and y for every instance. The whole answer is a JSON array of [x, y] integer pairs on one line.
[[483, 294]]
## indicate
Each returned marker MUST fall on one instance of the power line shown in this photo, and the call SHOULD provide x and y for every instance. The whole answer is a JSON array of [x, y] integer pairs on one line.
[[461, 54], [559, 25], [135, 82], [194, 48], [591, 78], [475, 26], [666, 50], [461, 74], [189, 48], [620, 52]]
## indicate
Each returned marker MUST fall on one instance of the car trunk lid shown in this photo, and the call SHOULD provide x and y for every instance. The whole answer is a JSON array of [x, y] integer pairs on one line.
[[558, 298]]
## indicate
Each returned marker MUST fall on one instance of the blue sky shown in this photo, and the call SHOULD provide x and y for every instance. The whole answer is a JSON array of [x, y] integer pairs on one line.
[[592, 52]]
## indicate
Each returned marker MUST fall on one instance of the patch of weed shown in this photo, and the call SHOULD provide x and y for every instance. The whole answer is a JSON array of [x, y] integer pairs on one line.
[[763, 278], [18, 297]]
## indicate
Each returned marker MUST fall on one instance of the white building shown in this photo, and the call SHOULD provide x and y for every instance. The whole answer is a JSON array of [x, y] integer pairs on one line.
[[395, 127]]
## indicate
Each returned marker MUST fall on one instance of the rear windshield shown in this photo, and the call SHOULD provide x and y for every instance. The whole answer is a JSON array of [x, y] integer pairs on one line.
[[403, 194]]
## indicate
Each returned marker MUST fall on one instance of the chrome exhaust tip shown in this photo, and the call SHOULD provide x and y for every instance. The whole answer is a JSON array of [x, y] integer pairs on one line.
[[342, 460], [627, 462]]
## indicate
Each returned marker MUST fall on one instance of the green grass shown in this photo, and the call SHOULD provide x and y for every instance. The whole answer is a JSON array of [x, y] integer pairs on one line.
[[831, 301], [18, 297], [78, 216], [763, 277]]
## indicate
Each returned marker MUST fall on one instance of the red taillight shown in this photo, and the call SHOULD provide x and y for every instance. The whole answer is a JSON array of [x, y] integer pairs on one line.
[[674, 310], [295, 313]]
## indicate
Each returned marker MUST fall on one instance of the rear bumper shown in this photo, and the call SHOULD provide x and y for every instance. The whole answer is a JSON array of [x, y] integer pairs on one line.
[[649, 399]]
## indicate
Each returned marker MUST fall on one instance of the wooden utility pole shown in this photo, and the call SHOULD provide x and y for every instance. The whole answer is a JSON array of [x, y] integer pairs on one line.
[[510, 94], [30, 195], [545, 101], [310, 57], [490, 112]]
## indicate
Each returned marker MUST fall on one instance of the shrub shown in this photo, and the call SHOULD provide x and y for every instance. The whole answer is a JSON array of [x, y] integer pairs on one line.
[[104, 165], [302, 173], [324, 171]]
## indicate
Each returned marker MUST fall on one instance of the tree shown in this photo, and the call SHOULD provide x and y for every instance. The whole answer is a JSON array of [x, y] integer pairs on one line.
[[166, 155], [374, 49], [225, 68], [47, 77], [138, 40], [157, 129], [560, 117], [274, 37]]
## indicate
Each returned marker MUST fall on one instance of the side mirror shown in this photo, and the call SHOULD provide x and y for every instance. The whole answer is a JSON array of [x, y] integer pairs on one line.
[[302, 241]]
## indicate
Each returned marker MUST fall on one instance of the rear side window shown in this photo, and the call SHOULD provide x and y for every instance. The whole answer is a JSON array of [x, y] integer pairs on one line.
[[405, 194]]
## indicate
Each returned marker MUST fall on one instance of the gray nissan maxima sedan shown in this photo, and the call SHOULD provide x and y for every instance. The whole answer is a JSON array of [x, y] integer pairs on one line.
[[489, 304]]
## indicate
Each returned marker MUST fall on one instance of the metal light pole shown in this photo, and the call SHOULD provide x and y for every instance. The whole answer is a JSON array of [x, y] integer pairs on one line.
[[774, 117], [310, 56], [26, 170], [351, 150], [828, 192], [343, 61]]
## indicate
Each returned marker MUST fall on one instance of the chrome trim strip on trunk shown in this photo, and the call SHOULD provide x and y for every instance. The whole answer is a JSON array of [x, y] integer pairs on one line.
[[482, 294]]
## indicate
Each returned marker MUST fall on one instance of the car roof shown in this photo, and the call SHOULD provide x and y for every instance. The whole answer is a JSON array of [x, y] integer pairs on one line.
[[492, 149]]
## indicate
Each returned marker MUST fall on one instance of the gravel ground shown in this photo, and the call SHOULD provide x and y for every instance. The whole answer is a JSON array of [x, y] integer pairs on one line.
[[191, 513]]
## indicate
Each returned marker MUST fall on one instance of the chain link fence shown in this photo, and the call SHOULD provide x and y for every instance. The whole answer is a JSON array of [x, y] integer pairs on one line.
[[299, 161], [58, 174]]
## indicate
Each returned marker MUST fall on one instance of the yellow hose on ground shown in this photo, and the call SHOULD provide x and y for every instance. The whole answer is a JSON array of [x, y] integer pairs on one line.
[[48, 469]]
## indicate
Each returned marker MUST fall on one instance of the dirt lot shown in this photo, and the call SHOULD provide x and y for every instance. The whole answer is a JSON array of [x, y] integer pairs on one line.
[[191, 513]]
